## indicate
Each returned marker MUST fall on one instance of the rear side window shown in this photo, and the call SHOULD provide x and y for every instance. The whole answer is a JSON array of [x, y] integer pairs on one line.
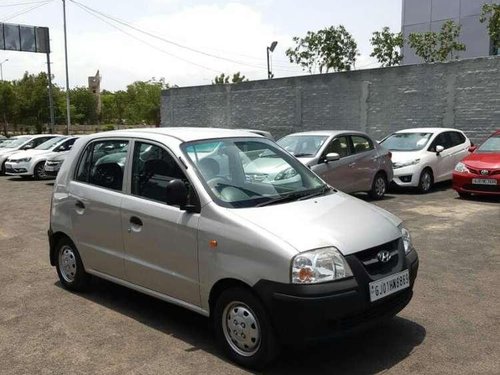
[[361, 144], [456, 138], [102, 164], [152, 169]]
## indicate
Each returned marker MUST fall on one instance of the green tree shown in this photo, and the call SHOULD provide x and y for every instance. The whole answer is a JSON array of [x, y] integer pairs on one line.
[[144, 101], [387, 47], [437, 46], [8, 103], [332, 48], [491, 13], [84, 105], [223, 79]]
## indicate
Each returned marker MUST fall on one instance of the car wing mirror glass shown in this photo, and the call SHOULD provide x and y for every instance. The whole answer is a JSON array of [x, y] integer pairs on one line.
[[332, 156]]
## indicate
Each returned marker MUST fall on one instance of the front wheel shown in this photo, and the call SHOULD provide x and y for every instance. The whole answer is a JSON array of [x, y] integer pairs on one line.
[[243, 329], [425, 182], [39, 171], [379, 187]]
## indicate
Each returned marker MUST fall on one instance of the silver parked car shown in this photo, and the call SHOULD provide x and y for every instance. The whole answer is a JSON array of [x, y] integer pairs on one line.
[[348, 160], [176, 213]]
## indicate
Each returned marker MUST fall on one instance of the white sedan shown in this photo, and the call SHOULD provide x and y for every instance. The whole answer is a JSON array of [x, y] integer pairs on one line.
[[423, 156], [31, 163]]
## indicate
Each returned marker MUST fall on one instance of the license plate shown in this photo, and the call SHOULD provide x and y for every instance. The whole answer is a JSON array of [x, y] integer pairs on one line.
[[484, 181], [389, 285], [49, 168]]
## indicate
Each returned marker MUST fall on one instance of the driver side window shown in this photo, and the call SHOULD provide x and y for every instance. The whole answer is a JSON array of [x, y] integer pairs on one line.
[[152, 169], [338, 145]]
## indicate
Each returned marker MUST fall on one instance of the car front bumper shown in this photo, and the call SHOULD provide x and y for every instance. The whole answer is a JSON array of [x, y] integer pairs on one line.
[[407, 176], [462, 183], [52, 170], [17, 169], [305, 313]]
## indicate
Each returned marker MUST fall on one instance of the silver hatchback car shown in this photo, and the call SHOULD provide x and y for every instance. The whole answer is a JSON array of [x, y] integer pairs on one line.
[[270, 258], [348, 160]]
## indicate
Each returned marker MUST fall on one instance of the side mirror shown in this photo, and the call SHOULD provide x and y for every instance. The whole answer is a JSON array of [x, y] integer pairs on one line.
[[332, 156], [177, 194], [439, 149], [472, 148], [27, 147]]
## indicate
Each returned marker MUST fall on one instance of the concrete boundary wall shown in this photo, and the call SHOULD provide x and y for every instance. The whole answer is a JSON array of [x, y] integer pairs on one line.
[[463, 94]]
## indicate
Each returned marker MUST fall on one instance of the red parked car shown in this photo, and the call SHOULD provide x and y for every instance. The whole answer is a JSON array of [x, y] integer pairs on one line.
[[479, 172]]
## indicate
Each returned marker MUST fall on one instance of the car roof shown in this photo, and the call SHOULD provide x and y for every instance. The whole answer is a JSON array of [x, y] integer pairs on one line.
[[182, 134], [426, 130], [328, 133]]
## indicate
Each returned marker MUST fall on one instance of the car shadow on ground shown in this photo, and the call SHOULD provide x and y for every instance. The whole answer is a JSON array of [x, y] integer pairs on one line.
[[366, 352], [436, 188]]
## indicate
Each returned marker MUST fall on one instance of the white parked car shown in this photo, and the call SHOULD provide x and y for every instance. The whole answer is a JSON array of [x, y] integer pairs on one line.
[[20, 143], [31, 163], [423, 156]]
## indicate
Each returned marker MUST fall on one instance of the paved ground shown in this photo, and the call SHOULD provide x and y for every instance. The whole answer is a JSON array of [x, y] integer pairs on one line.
[[451, 326]]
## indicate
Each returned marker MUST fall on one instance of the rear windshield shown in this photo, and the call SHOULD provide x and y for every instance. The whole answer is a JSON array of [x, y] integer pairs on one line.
[[406, 141]]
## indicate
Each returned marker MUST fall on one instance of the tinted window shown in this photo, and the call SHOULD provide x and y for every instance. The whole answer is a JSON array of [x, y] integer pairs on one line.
[[152, 169], [66, 145], [456, 138], [339, 145], [441, 140], [102, 164], [38, 141], [361, 144]]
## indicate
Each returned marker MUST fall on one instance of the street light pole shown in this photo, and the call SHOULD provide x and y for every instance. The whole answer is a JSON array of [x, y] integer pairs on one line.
[[270, 49], [1, 69], [68, 115]]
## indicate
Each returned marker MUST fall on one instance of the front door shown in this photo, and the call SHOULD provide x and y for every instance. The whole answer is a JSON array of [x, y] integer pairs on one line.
[[444, 161], [160, 240], [367, 164]]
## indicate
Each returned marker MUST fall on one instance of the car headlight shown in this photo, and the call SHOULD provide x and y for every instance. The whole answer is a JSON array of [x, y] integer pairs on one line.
[[405, 163], [23, 160], [405, 233], [318, 266], [461, 167], [286, 174]]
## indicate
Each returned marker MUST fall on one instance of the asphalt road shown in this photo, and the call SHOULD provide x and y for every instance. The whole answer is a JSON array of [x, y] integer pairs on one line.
[[451, 326]]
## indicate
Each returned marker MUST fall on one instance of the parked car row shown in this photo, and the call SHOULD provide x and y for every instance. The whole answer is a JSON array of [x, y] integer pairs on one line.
[[27, 156]]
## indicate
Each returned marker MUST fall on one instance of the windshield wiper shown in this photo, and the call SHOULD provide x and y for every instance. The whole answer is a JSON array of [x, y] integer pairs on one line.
[[299, 155], [323, 190]]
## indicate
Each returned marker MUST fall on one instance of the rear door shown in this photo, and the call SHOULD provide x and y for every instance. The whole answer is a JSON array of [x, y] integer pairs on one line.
[[337, 173], [366, 163], [96, 192], [160, 240], [460, 146]]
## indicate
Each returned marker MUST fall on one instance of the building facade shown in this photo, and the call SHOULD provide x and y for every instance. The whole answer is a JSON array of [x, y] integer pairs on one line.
[[429, 15]]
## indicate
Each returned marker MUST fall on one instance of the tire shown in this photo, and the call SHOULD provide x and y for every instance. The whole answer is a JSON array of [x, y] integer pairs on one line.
[[69, 267], [2, 168], [425, 181], [464, 195], [243, 329], [39, 171], [379, 186]]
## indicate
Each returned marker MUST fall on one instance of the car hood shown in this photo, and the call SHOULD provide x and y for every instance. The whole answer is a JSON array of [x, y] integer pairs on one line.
[[486, 160], [403, 156], [30, 153], [7, 150], [336, 219]]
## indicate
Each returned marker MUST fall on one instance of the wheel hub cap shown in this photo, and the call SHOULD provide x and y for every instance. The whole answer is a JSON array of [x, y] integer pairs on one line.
[[67, 263], [241, 328], [380, 186]]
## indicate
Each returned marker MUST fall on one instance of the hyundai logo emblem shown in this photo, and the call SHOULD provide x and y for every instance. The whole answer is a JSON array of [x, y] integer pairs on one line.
[[484, 172], [384, 256]]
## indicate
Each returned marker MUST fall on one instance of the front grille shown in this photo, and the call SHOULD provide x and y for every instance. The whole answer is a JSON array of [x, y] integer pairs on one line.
[[15, 170], [486, 188], [371, 262], [478, 171]]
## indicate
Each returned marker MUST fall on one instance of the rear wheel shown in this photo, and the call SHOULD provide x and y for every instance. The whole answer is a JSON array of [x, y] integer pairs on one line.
[[39, 171], [379, 186], [243, 329], [425, 182], [69, 266], [2, 168]]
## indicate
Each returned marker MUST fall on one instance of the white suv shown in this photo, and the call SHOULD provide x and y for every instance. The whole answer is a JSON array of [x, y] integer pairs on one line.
[[423, 156]]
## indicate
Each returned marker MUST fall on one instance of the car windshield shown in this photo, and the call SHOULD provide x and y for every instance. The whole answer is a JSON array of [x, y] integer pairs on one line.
[[491, 145], [52, 142], [14, 142], [302, 145], [244, 172], [406, 141]]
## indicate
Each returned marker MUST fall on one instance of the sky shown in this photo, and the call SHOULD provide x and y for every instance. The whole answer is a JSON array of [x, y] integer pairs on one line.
[[187, 42]]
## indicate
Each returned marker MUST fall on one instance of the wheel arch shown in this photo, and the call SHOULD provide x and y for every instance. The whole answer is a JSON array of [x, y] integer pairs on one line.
[[54, 239], [223, 285]]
